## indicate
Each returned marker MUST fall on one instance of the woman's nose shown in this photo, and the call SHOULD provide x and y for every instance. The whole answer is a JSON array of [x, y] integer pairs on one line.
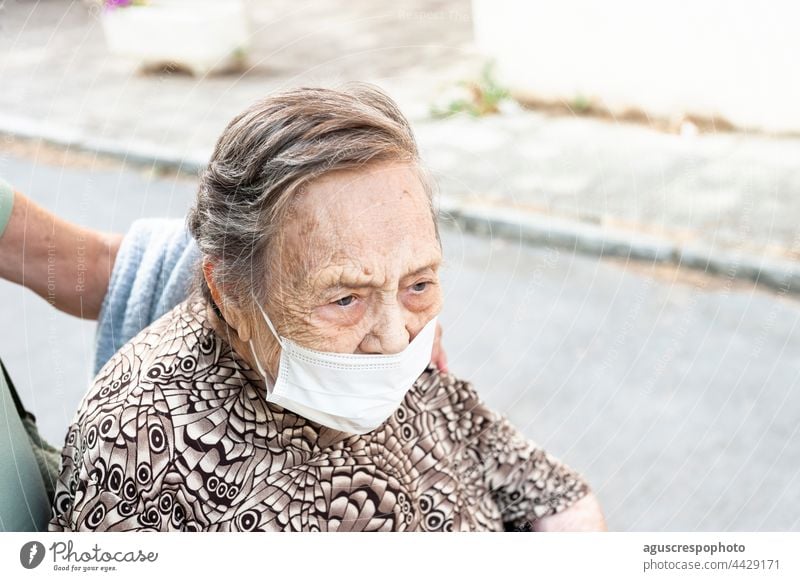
[[389, 335]]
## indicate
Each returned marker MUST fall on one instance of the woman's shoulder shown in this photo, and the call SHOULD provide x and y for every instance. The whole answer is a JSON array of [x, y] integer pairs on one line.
[[435, 384], [445, 395], [167, 354]]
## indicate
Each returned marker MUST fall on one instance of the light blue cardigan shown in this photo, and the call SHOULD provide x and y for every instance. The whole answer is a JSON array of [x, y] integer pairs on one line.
[[153, 272]]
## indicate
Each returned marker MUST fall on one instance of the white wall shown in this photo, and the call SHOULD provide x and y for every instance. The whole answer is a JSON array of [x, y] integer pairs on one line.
[[735, 58]]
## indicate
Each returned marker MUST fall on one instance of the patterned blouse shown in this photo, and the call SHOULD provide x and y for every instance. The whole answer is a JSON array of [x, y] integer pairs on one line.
[[175, 435]]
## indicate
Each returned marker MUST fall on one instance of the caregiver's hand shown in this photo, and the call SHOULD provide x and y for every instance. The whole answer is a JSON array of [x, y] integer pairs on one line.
[[67, 265], [584, 515], [439, 358]]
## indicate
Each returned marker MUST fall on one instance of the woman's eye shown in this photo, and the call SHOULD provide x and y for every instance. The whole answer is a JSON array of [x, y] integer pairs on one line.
[[420, 286], [345, 301]]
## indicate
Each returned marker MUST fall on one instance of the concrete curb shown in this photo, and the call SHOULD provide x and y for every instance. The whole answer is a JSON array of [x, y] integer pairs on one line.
[[136, 152], [484, 219], [547, 230]]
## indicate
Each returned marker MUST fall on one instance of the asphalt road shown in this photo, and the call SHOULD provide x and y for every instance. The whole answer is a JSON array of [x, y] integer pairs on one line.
[[674, 393]]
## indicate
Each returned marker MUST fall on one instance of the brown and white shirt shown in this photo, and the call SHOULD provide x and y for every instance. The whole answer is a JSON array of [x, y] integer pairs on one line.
[[175, 435]]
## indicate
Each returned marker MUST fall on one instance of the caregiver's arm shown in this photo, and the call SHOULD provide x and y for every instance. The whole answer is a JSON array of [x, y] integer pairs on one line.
[[67, 265], [584, 515]]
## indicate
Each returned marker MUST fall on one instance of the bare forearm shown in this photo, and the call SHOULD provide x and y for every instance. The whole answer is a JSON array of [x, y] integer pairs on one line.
[[584, 515], [67, 265]]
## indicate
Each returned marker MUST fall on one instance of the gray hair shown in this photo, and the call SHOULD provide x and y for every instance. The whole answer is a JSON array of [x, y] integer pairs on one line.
[[267, 154]]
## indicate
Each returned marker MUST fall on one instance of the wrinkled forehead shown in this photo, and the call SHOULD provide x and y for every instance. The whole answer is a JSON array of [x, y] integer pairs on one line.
[[378, 219]]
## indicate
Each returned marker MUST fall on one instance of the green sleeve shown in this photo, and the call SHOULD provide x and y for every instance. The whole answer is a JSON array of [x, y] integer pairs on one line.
[[24, 505], [6, 204]]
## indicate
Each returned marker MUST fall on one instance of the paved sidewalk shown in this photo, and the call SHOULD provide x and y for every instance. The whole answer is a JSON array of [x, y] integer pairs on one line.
[[725, 202]]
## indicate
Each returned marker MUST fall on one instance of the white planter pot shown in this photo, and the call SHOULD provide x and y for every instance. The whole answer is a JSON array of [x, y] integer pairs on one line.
[[729, 58], [199, 35]]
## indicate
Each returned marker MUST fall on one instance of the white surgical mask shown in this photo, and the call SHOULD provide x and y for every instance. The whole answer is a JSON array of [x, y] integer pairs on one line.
[[350, 392]]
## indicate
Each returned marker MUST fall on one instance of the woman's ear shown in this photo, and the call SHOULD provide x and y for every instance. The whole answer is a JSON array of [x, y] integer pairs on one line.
[[234, 316]]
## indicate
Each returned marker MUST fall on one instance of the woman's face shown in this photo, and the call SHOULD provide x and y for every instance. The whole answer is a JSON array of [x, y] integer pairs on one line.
[[357, 265]]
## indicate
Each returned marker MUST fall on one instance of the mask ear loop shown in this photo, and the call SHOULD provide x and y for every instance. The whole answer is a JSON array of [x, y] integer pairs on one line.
[[253, 351], [269, 323], [260, 368]]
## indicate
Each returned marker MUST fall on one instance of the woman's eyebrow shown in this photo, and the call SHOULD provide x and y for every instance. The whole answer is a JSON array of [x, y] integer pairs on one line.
[[345, 280], [430, 266]]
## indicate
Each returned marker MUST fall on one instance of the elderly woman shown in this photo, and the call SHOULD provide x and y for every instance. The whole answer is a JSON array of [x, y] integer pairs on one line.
[[293, 390]]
